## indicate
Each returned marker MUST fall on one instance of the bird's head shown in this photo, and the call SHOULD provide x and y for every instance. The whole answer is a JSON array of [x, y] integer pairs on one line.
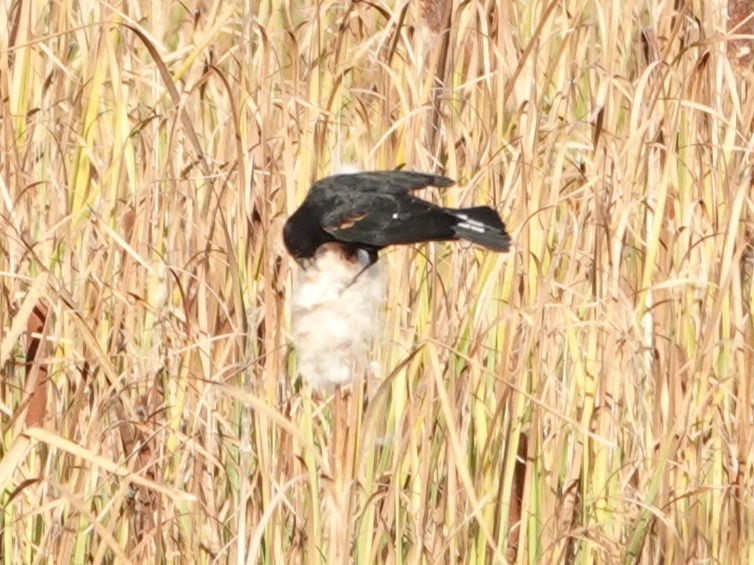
[[301, 238]]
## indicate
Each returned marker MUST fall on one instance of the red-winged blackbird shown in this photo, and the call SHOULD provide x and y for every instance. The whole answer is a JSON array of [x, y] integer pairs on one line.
[[369, 211], [336, 234]]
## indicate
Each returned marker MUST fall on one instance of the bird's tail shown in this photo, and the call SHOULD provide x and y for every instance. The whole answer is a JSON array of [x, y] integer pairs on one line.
[[482, 225]]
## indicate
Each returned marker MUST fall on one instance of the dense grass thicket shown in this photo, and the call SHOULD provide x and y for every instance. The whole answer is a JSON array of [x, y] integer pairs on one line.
[[586, 399]]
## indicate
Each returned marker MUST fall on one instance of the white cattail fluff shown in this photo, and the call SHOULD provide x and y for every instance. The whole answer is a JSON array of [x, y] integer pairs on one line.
[[336, 314]]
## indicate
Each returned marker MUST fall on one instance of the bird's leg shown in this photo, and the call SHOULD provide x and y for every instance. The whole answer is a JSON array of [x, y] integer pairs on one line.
[[368, 261], [353, 280]]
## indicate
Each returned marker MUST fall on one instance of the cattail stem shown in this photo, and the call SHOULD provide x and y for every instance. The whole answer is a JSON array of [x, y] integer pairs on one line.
[[342, 471]]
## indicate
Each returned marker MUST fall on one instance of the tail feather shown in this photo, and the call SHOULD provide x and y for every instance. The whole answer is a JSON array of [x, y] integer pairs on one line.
[[482, 225]]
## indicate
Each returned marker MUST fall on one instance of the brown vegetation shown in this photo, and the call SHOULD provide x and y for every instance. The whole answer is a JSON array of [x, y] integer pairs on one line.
[[589, 400]]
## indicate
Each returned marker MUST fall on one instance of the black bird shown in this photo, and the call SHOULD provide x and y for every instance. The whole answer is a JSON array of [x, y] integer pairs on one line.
[[336, 234], [372, 210]]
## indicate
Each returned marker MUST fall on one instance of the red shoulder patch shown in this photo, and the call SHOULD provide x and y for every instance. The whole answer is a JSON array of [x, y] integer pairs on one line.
[[349, 221]]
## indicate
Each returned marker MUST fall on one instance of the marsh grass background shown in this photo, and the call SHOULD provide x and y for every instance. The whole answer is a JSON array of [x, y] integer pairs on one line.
[[587, 400]]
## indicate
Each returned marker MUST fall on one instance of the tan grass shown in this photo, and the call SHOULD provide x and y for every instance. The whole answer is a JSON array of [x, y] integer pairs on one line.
[[589, 400]]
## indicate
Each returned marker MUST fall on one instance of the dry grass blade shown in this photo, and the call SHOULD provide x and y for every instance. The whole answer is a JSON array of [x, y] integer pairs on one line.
[[117, 470]]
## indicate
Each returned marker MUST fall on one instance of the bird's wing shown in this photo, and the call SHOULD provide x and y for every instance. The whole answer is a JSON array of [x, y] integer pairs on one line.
[[360, 218], [382, 219], [390, 182]]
